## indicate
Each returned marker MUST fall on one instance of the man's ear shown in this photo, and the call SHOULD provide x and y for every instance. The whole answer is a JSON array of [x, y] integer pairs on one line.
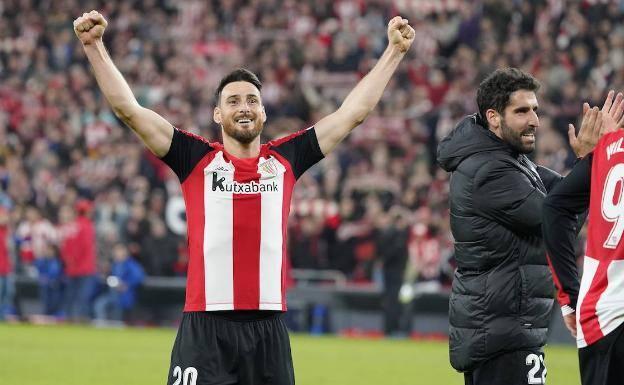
[[263, 115], [493, 119], [216, 115]]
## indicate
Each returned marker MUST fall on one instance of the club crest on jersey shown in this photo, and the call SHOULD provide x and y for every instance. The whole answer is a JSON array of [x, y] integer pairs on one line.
[[614, 148], [268, 167]]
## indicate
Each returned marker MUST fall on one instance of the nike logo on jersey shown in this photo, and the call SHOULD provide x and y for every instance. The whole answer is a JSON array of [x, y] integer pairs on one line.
[[614, 148]]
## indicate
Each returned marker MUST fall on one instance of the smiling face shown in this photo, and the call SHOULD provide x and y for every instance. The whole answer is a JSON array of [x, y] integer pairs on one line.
[[240, 111], [518, 123]]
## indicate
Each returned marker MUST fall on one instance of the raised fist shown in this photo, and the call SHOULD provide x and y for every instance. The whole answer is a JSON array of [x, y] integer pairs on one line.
[[90, 27], [400, 33]]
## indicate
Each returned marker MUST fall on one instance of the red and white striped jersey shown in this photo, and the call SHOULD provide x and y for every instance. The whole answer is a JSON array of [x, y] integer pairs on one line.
[[237, 211], [600, 307], [5, 260]]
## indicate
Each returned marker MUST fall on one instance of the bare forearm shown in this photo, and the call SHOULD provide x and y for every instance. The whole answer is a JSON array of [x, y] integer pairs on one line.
[[152, 129], [366, 94], [333, 128], [110, 80]]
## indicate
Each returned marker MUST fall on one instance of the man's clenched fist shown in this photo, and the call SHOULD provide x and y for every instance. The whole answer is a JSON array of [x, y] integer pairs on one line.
[[400, 33], [90, 27]]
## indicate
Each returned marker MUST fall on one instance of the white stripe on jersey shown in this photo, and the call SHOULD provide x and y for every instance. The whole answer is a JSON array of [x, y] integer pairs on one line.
[[610, 306], [590, 266], [218, 225], [271, 209]]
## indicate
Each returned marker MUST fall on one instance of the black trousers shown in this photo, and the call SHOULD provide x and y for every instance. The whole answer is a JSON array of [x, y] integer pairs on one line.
[[602, 363], [524, 367], [214, 350]]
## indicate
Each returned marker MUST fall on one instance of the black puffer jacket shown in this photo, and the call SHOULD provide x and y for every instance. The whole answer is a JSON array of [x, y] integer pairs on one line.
[[502, 293]]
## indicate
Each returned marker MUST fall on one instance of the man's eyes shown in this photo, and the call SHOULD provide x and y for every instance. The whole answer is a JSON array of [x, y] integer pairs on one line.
[[234, 102]]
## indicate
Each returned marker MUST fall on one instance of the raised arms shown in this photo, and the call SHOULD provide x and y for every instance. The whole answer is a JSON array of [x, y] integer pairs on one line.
[[333, 128], [153, 129]]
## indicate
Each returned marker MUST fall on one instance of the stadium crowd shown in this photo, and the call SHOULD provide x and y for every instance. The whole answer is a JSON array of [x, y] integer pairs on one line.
[[67, 163]]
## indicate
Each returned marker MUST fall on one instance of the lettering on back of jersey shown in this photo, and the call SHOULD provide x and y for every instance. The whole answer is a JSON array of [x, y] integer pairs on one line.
[[614, 148]]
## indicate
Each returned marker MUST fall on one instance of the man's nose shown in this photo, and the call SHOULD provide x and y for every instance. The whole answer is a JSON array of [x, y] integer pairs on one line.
[[244, 107], [534, 119]]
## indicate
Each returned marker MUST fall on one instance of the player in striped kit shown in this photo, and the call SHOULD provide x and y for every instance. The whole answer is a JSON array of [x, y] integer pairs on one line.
[[593, 308], [237, 196]]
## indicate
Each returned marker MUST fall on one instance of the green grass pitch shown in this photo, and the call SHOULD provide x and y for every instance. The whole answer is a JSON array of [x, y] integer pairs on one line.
[[72, 355]]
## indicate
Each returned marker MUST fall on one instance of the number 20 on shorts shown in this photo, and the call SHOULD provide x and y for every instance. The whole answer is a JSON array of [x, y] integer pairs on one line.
[[186, 377]]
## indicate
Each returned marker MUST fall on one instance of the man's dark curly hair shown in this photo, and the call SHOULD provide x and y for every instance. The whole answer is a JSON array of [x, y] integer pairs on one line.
[[494, 90], [238, 75]]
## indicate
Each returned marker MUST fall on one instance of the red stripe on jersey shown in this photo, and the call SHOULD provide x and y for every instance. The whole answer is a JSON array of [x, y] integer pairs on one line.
[[237, 213], [601, 309], [588, 317], [562, 297], [246, 239], [289, 180], [193, 191]]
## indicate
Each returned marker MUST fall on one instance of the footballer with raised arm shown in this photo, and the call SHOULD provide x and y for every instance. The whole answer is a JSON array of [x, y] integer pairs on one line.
[[237, 195], [592, 307]]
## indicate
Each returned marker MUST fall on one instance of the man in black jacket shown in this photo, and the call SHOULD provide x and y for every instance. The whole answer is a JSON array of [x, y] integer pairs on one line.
[[502, 292]]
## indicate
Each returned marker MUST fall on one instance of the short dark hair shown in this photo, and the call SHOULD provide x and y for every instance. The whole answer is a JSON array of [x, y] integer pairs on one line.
[[494, 90], [238, 75]]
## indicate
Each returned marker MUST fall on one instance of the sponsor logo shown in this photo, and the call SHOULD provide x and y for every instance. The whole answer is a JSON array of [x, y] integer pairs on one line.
[[253, 187]]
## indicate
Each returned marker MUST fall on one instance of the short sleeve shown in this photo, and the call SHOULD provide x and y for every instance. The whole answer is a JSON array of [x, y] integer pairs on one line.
[[300, 149], [185, 152]]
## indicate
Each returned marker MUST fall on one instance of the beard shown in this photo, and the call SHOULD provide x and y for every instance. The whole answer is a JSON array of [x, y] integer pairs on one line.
[[243, 135], [515, 138]]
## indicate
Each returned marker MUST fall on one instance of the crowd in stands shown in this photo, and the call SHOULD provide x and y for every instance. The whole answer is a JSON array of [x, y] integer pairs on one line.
[[68, 166]]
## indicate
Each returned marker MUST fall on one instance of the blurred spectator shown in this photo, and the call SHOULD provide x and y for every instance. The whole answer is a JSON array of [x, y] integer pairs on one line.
[[423, 269], [77, 251], [7, 280], [136, 229], [181, 264], [59, 141], [391, 244], [159, 250], [126, 275], [424, 254], [50, 278], [35, 235]]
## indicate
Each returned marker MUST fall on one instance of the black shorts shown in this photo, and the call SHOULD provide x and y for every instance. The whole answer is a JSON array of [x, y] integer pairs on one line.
[[602, 363], [213, 349], [523, 367]]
